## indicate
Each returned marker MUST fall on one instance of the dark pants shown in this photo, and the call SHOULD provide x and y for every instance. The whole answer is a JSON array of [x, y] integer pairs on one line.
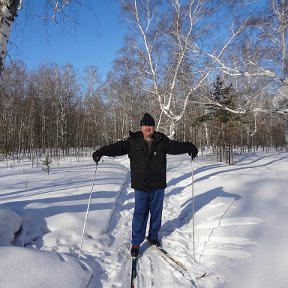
[[146, 202]]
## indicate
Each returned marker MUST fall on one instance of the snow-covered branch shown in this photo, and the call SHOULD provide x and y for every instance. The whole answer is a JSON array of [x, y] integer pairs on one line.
[[268, 36]]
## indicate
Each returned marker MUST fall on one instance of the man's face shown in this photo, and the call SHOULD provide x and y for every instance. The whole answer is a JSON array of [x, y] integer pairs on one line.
[[147, 131]]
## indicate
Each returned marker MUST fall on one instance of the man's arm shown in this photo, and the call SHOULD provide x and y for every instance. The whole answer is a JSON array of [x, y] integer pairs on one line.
[[116, 149], [176, 147]]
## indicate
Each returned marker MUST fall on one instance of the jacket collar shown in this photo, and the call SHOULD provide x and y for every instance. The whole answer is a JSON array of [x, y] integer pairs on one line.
[[138, 135]]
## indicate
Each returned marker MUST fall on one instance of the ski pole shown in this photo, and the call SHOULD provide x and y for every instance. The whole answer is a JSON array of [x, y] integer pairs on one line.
[[193, 206], [87, 211]]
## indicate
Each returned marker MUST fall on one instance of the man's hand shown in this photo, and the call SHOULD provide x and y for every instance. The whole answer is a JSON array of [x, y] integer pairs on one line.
[[193, 151], [97, 155]]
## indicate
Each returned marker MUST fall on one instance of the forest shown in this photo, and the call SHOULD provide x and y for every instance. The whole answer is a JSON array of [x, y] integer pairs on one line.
[[211, 72]]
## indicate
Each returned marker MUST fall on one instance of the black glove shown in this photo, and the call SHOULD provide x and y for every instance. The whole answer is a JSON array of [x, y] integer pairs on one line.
[[193, 151], [97, 155]]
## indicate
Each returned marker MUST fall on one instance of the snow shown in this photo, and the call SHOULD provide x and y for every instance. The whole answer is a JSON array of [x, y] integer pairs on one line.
[[240, 219]]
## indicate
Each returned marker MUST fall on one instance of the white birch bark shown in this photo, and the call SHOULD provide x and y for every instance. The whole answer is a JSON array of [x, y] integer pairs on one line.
[[8, 12], [181, 42]]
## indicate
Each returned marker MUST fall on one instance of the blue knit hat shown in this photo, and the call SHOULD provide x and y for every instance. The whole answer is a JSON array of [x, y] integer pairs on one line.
[[147, 120]]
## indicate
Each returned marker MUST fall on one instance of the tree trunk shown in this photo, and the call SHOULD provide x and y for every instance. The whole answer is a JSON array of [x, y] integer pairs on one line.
[[8, 12]]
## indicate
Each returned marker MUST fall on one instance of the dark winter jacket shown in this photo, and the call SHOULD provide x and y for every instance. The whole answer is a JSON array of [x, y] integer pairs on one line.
[[148, 169]]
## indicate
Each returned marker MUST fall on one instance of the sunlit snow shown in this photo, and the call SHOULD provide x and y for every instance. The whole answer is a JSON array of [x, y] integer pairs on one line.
[[240, 224]]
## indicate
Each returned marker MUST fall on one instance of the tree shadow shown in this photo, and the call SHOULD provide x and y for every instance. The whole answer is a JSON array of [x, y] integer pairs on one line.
[[204, 199], [200, 201]]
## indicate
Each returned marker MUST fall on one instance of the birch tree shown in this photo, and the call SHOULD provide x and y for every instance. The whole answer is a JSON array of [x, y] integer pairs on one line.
[[8, 12], [168, 41], [183, 44], [261, 41]]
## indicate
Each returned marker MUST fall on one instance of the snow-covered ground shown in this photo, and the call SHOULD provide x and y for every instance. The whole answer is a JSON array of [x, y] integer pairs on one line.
[[240, 237]]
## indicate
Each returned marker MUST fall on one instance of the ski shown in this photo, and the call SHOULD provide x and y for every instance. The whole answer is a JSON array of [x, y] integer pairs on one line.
[[174, 262], [133, 271], [167, 255], [201, 276]]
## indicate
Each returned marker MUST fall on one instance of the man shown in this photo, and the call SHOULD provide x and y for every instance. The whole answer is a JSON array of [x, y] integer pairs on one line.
[[147, 151]]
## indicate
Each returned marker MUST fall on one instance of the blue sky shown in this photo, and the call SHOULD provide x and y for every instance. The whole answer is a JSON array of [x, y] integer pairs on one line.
[[95, 41]]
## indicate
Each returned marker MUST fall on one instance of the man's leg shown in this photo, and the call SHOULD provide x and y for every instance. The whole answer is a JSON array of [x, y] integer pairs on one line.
[[140, 217], [156, 208]]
